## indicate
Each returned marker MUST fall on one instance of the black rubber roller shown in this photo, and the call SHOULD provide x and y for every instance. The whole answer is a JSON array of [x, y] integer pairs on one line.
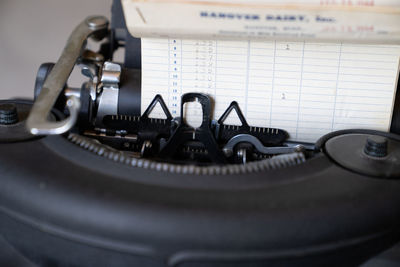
[[129, 98]]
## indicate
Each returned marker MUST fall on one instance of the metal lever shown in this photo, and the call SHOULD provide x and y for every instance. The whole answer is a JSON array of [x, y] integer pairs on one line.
[[37, 122], [228, 148]]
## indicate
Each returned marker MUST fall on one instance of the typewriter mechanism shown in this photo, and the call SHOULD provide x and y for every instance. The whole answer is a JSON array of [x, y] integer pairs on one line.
[[89, 180]]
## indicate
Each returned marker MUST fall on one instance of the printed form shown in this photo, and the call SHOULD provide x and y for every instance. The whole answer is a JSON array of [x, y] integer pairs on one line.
[[307, 89]]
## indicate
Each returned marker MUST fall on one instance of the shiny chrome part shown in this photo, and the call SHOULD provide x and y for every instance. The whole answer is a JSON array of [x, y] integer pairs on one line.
[[240, 138], [96, 23], [68, 92], [91, 71], [242, 155], [145, 147], [108, 98], [111, 73], [108, 103], [301, 146], [93, 90], [86, 71], [37, 122]]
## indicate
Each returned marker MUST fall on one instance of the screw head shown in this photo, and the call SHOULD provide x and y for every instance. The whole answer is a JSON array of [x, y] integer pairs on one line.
[[376, 146], [97, 22], [8, 114]]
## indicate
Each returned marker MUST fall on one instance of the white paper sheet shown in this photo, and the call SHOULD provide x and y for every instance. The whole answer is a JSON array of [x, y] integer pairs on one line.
[[308, 89]]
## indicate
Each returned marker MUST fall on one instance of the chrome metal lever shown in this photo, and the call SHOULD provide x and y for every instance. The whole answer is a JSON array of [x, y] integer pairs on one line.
[[37, 122]]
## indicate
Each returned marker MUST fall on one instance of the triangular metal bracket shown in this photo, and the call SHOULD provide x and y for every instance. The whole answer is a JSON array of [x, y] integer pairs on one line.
[[157, 99], [233, 106]]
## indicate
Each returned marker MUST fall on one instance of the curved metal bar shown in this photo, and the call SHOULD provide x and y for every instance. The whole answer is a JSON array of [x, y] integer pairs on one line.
[[37, 122], [228, 148], [46, 127]]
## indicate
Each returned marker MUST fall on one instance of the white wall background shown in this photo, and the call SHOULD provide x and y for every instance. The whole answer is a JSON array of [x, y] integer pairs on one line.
[[33, 32]]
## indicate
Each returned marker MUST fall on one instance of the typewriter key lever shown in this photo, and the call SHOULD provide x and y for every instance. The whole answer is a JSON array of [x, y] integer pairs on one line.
[[37, 122]]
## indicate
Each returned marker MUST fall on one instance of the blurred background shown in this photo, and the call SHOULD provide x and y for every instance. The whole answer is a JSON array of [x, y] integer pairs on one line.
[[34, 32]]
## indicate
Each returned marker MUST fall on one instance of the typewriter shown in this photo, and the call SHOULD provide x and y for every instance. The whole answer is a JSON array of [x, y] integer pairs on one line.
[[88, 179]]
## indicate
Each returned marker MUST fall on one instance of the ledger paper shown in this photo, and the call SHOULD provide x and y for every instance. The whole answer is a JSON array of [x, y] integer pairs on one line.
[[308, 89]]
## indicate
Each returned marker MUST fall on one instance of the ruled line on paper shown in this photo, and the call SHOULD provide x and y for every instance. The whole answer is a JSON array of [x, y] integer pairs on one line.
[[308, 89]]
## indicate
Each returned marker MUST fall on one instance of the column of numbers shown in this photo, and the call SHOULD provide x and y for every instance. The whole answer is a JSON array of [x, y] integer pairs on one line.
[[175, 79]]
